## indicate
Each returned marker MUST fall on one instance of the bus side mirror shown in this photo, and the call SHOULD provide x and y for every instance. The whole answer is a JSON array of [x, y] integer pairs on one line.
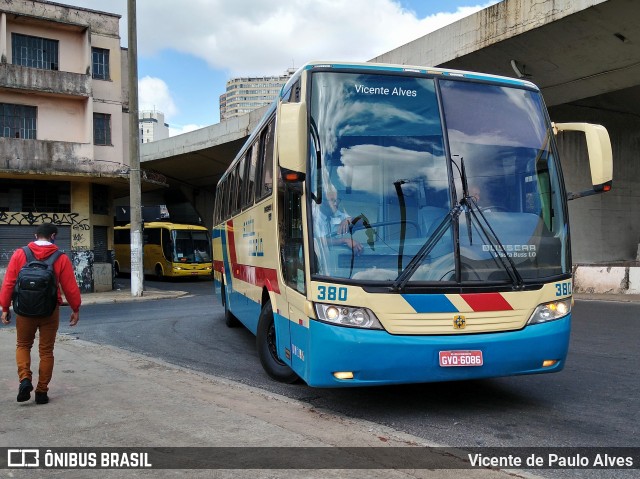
[[600, 156], [292, 136]]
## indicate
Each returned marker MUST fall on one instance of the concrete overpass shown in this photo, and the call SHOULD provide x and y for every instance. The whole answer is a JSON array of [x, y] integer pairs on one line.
[[585, 56]]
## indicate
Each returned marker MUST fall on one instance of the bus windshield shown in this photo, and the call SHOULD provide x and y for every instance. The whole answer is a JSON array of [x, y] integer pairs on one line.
[[190, 247], [392, 155]]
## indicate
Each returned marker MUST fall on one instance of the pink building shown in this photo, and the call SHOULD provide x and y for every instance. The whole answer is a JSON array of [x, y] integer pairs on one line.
[[63, 131]]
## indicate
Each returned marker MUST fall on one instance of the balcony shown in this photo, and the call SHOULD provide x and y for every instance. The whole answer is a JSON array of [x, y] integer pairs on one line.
[[45, 81], [65, 160], [42, 157]]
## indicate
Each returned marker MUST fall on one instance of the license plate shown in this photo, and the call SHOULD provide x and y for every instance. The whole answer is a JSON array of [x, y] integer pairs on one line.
[[460, 358]]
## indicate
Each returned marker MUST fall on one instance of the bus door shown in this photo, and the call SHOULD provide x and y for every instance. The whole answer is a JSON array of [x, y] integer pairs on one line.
[[292, 330]]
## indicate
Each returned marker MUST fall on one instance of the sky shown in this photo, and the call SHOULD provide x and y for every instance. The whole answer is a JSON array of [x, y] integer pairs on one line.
[[189, 49]]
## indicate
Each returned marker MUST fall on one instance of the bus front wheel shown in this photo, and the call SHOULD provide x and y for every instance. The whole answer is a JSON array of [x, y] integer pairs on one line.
[[158, 273], [268, 350]]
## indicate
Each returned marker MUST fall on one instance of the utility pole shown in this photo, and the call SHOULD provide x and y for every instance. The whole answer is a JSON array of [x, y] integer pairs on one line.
[[135, 195]]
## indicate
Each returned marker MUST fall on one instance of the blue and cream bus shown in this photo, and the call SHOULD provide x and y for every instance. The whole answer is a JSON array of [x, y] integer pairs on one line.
[[391, 224]]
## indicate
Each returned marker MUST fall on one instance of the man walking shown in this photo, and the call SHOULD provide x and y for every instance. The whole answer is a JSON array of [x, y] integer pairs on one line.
[[26, 327]]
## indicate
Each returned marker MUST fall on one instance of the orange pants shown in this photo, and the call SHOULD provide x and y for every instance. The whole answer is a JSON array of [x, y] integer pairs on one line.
[[26, 329]]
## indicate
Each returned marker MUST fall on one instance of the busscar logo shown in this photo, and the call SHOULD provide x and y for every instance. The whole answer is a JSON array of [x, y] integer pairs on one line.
[[23, 458], [459, 322]]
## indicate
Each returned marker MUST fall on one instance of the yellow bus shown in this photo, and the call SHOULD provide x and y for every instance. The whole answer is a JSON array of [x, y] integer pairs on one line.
[[390, 224], [170, 250]]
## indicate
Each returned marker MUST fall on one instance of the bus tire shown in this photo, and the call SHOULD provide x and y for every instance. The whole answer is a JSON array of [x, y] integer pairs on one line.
[[159, 275], [229, 319], [267, 348], [116, 269]]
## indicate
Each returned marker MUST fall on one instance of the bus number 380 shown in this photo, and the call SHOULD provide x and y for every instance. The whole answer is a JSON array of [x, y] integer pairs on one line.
[[331, 293]]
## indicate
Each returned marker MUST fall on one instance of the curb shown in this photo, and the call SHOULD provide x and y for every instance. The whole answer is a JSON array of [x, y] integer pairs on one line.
[[124, 296]]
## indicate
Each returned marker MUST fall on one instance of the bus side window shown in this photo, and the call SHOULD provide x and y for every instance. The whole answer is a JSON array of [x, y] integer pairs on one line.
[[224, 211], [216, 205], [152, 236], [252, 161], [122, 237], [266, 161], [233, 188], [242, 184]]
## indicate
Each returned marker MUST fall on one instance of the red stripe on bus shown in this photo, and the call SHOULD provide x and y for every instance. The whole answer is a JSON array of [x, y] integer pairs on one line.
[[257, 276], [487, 302], [231, 243], [218, 266]]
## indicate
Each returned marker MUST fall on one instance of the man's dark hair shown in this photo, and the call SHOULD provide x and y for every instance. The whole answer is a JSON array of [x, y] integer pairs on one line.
[[46, 230]]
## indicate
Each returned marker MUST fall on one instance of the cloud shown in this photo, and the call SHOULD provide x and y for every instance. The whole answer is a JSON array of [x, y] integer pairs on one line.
[[180, 129], [154, 94], [248, 37]]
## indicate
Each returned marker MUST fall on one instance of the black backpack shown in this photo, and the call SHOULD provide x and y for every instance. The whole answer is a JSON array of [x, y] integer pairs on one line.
[[36, 290]]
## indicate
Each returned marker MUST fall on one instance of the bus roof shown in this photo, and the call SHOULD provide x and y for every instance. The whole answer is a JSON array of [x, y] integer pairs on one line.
[[165, 224], [382, 67]]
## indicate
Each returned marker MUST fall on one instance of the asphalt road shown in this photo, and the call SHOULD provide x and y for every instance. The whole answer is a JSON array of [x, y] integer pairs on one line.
[[593, 402]]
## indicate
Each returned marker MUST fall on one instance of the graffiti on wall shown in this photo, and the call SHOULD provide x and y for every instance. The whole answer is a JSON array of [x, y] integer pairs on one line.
[[74, 220], [81, 255], [83, 267], [80, 240]]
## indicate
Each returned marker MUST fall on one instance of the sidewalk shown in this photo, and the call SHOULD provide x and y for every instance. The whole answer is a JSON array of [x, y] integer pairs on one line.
[[124, 295], [621, 298]]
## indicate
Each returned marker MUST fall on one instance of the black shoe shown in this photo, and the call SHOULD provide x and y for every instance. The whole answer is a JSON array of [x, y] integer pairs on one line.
[[24, 391], [42, 398]]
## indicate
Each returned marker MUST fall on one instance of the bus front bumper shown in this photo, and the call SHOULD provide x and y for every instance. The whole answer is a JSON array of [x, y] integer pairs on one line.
[[377, 357], [183, 271]]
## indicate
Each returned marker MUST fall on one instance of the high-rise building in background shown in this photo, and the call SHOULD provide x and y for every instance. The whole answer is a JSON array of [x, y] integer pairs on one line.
[[152, 126], [249, 93]]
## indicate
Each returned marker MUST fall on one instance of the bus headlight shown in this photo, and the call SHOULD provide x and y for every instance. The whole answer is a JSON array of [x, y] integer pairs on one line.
[[347, 316], [550, 311]]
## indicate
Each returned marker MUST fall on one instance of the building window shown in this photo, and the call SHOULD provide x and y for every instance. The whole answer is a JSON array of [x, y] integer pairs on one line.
[[101, 129], [100, 60], [34, 52], [35, 196], [100, 199], [18, 121]]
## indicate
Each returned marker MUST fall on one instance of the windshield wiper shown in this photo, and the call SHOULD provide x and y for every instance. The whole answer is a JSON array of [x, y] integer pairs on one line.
[[427, 247], [403, 220], [491, 236], [471, 209]]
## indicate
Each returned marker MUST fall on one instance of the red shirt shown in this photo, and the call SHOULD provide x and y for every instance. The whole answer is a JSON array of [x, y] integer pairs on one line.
[[62, 268]]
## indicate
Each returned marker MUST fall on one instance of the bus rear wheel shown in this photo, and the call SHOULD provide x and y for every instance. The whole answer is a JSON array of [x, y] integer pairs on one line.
[[229, 319], [268, 350]]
